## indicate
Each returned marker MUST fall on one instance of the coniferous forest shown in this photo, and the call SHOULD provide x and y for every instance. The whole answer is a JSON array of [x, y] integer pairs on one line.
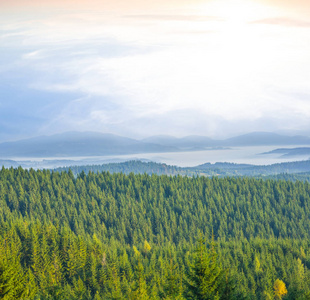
[[298, 170], [139, 236]]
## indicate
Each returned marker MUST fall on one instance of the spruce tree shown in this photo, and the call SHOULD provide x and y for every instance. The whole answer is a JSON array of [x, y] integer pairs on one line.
[[205, 277]]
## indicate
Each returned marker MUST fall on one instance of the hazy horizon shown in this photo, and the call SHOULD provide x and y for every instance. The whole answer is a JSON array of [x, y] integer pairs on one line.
[[213, 68], [180, 136]]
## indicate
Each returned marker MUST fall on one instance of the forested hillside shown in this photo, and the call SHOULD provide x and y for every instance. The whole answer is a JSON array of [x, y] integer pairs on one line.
[[132, 166], [117, 236], [299, 169], [292, 177]]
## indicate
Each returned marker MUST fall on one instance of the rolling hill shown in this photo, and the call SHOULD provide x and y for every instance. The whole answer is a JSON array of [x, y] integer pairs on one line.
[[72, 144]]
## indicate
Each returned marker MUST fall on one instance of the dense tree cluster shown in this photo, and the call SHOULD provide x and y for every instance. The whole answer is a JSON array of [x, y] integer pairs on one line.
[[116, 236], [292, 177], [127, 167], [298, 170]]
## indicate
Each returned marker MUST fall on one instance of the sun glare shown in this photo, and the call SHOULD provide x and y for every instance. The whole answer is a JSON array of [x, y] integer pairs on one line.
[[235, 51], [235, 11]]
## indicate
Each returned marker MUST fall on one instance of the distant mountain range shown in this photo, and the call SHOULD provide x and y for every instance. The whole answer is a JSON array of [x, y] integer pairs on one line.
[[78, 144], [99, 144], [250, 139], [289, 152]]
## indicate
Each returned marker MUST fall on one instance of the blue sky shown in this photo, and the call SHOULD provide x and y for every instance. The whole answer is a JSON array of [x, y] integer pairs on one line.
[[215, 68]]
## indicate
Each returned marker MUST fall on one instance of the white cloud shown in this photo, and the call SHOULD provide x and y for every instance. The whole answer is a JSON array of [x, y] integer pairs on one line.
[[128, 72]]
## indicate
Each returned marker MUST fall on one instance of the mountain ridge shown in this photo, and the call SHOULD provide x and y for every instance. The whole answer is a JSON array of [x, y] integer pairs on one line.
[[90, 143]]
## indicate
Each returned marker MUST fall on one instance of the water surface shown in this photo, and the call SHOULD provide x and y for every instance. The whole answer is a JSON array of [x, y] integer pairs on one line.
[[247, 155]]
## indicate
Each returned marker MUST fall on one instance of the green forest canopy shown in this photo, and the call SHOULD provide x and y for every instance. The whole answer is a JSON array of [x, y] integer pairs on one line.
[[116, 236]]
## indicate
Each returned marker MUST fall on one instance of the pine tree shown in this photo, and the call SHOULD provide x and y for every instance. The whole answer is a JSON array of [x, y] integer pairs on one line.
[[139, 291], [173, 284], [205, 277]]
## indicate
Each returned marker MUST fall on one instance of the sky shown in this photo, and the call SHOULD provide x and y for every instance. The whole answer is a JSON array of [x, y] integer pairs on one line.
[[137, 68]]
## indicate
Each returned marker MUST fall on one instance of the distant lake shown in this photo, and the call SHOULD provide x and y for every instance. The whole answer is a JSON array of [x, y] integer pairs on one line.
[[247, 155]]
